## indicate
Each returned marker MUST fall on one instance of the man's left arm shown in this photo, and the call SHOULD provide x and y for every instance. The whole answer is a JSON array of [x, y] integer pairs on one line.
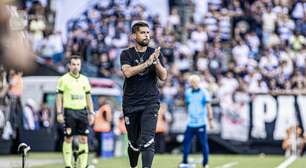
[[89, 103], [160, 70], [210, 114], [90, 108]]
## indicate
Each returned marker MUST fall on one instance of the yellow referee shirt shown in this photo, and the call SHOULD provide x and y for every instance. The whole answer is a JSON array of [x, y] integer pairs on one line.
[[74, 90]]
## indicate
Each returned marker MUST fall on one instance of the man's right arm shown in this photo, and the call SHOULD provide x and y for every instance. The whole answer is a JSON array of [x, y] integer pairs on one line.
[[59, 107], [59, 100], [59, 103], [130, 71], [210, 114]]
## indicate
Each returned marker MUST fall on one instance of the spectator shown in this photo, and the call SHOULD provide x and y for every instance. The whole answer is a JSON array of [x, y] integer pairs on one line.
[[285, 27], [36, 28], [58, 47], [254, 43], [198, 39], [15, 93], [268, 64], [45, 117], [102, 124], [269, 19], [15, 83], [298, 10], [224, 25], [3, 87], [298, 82], [174, 19], [168, 47], [211, 22], [299, 60], [121, 136], [294, 136], [297, 41], [241, 53], [30, 119], [169, 91], [105, 66], [162, 128]]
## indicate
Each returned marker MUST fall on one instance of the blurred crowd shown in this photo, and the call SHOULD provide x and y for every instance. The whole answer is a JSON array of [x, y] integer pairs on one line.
[[238, 47], [12, 110], [248, 46]]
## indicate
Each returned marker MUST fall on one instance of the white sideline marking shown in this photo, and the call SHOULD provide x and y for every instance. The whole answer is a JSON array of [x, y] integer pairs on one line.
[[228, 165], [287, 162]]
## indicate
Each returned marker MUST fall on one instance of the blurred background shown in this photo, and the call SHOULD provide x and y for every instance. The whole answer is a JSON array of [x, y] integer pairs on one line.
[[250, 54]]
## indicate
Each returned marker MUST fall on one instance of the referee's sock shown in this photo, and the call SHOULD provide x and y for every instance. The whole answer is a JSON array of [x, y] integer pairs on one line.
[[67, 153], [84, 156]]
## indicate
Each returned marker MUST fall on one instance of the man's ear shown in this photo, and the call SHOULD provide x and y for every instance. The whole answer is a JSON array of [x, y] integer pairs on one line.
[[134, 36]]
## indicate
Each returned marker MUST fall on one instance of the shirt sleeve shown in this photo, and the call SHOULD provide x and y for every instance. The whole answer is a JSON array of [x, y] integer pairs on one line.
[[207, 96], [87, 86], [124, 58], [60, 85]]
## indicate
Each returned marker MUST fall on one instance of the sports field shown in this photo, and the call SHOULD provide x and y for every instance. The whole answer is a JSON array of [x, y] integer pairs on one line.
[[54, 160]]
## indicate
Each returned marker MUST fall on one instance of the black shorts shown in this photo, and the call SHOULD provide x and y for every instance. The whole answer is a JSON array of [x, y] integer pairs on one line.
[[76, 122], [140, 122]]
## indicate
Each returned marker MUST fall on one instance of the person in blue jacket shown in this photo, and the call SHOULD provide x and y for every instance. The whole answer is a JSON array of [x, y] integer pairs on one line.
[[199, 116]]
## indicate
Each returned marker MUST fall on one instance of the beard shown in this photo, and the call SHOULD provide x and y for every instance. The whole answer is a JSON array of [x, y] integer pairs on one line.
[[143, 43], [75, 71]]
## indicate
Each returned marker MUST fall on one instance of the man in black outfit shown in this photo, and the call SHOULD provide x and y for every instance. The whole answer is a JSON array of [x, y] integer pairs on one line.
[[141, 66]]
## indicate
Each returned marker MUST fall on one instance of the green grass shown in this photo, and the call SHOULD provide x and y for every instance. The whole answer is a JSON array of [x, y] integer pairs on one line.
[[172, 161], [299, 163]]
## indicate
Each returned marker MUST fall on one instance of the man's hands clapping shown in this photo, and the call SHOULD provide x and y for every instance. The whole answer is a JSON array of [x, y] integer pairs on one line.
[[153, 59]]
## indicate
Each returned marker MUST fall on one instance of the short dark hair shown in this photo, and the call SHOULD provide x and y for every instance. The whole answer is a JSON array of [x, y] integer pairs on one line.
[[137, 25], [73, 57]]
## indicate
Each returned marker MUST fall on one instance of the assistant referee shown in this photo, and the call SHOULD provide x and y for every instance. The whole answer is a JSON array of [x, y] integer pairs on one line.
[[75, 109]]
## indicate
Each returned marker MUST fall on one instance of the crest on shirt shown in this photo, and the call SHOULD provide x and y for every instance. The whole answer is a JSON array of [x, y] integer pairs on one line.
[[127, 120], [68, 131], [87, 131]]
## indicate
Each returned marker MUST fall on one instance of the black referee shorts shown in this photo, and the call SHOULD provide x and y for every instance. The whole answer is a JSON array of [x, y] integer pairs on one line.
[[76, 122], [140, 122]]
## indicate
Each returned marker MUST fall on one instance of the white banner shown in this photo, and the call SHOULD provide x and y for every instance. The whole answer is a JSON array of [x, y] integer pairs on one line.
[[270, 115], [301, 101], [264, 110], [235, 122], [285, 118], [279, 112]]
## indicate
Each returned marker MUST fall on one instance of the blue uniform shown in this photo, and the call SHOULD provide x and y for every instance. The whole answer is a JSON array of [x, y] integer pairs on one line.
[[196, 100], [196, 106]]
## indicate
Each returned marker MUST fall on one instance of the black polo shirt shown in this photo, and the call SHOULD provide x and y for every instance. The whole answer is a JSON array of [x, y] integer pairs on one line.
[[140, 89]]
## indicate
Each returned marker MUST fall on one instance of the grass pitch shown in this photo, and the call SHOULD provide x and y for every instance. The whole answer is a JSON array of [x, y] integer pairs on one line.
[[54, 160]]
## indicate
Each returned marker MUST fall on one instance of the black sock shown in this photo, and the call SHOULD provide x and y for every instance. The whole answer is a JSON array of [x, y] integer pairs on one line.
[[147, 158], [133, 157]]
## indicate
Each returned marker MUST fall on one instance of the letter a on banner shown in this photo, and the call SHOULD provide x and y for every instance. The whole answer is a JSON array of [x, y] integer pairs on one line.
[[264, 110]]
